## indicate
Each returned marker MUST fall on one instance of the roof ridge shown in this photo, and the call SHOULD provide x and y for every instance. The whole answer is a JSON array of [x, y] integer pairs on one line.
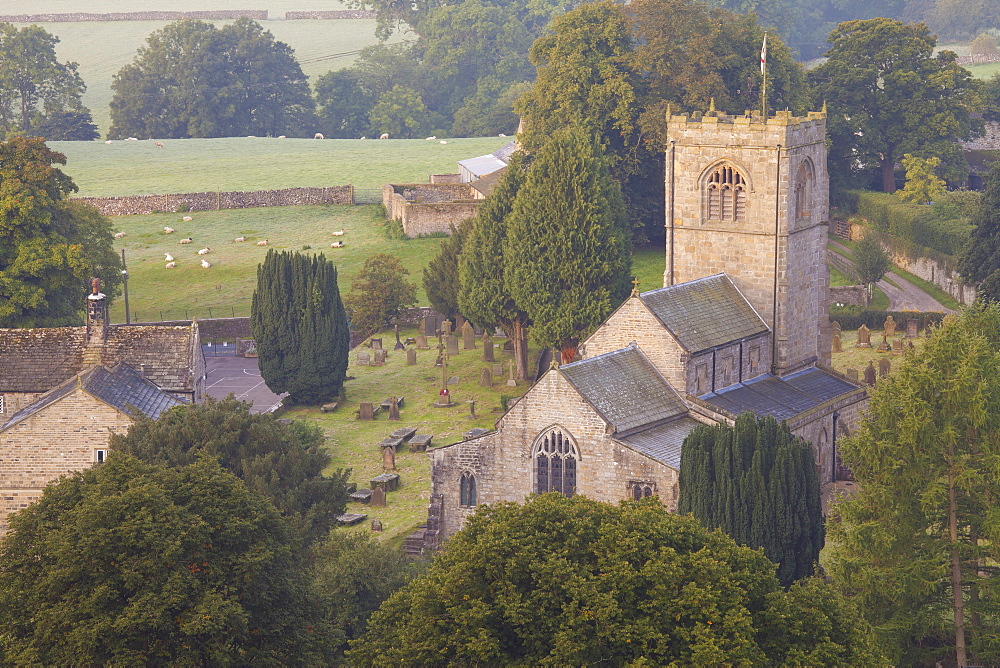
[[690, 282]]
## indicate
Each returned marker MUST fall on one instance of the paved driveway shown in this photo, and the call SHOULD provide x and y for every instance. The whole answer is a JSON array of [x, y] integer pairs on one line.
[[239, 376]]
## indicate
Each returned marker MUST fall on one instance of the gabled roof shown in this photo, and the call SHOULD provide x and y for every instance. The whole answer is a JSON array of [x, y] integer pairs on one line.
[[487, 164], [625, 389], [781, 398], [121, 387], [36, 360], [486, 184], [704, 313], [662, 443]]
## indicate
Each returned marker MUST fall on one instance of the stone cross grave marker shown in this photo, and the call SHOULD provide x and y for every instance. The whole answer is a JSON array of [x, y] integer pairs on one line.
[[364, 357], [884, 367], [411, 357], [486, 378], [864, 337], [870, 373], [366, 411], [511, 382], [378, 497], [487, 348], [468, 337]]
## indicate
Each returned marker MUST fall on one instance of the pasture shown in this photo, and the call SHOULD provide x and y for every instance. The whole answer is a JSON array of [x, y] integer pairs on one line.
[[259, 163]]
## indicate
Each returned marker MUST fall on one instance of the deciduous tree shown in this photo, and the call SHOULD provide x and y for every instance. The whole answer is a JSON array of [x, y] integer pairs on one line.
[[379, 293], [922, 185], [871, 261], [981, 260]]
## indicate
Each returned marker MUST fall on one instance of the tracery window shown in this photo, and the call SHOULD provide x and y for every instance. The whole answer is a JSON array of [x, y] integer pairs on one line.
[[727, 194], [467, 489], [642, 489], [555, 464]]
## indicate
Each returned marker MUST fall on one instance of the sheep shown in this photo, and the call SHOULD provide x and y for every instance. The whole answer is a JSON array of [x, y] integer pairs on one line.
[[108, 141], [170, 265], [337, 244], [318, 135], [338, 233], [281, 136], [364, 137], [501, 135], [132, 139], [384, 135], [167, 257], [204, 251], [205, 264], [239, 239], [168, 230], [119, 235], [431, 138], [262, 243], [443, 142], [158, 144], [187, 219], [186, 241]]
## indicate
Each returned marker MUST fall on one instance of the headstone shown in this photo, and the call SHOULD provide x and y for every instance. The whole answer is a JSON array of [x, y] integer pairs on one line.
[[897, 346], [399, 402], [864, 337], [835, 326], [422, 342], [884, 346], [389, 459], [376, 344], [511, 382], [393, 409], [420, 442], [380, 356], [852, 375], [378, 497], [377, 526], [497, 370], [884, 367], [508, 347], [362, 496], [364, 357], [445, 327], [911, 328], [889, 327], [399, 344], [870, 373], [454, 380], [468, 337], [472, 408], [838, 346], [486, 378], [487, 348], [428, 325], [460, 322], [451, 343], [366, 411], [411, 356]]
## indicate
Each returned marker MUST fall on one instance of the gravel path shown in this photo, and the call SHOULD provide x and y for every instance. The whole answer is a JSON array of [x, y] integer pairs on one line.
[[903, 295]]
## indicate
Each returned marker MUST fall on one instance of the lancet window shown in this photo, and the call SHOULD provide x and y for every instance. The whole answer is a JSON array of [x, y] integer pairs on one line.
[[555, 458]]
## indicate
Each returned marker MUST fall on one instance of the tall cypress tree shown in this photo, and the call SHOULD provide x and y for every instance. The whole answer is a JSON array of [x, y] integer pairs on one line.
[[441, 282], [757, 483], [298, 321]]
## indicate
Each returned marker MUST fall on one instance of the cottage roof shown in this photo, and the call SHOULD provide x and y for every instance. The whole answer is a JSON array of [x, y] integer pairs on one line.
[[663, 442], [482, 165], [486, 184], [625, 389], [36, 360], [122, 387], [782, 398], [704, 313]]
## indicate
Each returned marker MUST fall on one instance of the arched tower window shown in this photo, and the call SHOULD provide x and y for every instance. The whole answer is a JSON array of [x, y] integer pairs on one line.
[[467, 489], [555, 458], [803, 190], [726, 194]]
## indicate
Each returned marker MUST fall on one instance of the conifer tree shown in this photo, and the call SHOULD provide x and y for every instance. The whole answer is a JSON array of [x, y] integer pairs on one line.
[[483, 296], [298, 321], [757, 483], [441, 274], [981, 261], [567, 255]]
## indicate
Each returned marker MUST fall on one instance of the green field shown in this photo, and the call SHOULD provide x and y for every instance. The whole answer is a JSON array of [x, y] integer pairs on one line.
[[244, 163]]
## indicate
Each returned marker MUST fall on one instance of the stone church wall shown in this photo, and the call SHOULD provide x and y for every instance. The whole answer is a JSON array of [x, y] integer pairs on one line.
[[60, 438], [723, 364]]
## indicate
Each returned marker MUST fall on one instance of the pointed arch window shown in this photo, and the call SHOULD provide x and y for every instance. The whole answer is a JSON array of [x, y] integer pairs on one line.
[[803, 188], [555, 461], [467, 489], [726, 192]]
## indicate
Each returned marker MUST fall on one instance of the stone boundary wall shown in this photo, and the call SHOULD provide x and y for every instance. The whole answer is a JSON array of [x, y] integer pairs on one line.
[[855, 295], [445, 178], [211, 328], [257, 14], [336, 14], [429, 208], [978, 59], [990, 141], [215, 201]]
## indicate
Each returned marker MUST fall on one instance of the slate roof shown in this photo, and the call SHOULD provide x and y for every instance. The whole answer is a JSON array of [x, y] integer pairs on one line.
[[486, 184], [704, 313], [122, 387], [662, 443], [482, 165], [36, 360], [625, 389], [782, 398]]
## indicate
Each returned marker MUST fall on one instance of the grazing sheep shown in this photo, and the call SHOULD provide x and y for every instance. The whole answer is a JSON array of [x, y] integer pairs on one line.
[[384, 135], [262, 243], [364, 137], [171, 265], [158, 144], [443, 142], [168, 257], [186, 241], [337, 244], [132, 139], [281, 136], [431, 138], [318, 135], [239, 239], [501, 135], [119, 235], [338, 233], [168, 230], [204, 251], [205, 264], [187, 219], [108, 141]]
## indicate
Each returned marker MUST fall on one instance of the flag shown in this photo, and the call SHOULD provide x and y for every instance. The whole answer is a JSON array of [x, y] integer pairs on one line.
[[763, 55]]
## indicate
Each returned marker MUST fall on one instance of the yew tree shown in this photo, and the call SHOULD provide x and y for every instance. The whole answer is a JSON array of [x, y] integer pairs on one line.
[[981, 261], [441, 282]]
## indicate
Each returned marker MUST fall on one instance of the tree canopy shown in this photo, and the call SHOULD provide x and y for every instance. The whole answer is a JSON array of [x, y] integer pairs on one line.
[[917, 546], [570, 581], [130, 563], [871, 261], [441, 279], [194, 80], [379, 293], [980, 262], [300, 327], [49, 247]]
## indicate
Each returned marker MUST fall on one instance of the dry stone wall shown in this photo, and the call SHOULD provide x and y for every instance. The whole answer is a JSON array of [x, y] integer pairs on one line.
[[214, 201], [335, 14], [256, 14], [425, 208]]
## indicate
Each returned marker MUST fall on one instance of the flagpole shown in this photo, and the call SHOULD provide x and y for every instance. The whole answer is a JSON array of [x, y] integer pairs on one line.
[[763, 75]]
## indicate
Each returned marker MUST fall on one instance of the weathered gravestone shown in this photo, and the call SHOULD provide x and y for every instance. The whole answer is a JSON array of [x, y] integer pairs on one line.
[[852, 375], [884, 346], [864, 337], [361, 495], [428, 325], [377, 526], [366, 411], [497, 370], [399, 344], [364, 357], [411, 357], [405, 433], [486, 378], [388, 481], [897, 346], [422, 342], [487, 348], [835, 326], [445, 327], [393, 409], [472, 408], [911, 328], [884, 367], [838, 346], [870, 373], [378, 497], [376, 344], [451, 344], [889, 327], [468, 337], [380, 356], [389, 458], [420, 442], [454, 380], [511, 382], [508, 347]]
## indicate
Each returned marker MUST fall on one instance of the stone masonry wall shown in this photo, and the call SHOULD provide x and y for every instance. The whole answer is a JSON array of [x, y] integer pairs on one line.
[[256, 14], [428, 208], [723, 364], [333, 14], [212, 328], [58, 439], [214, 201], [15, 401]]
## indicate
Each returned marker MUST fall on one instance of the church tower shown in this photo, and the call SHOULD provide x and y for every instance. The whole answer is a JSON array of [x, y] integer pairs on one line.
[[749, 196]]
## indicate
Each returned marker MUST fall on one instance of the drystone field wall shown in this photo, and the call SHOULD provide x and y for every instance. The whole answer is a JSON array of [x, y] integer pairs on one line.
[[429, 208], [257, 14], [336, 14], [209, 201]]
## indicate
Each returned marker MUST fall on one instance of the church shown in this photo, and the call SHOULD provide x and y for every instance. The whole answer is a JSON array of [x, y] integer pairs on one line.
[[740, 324]]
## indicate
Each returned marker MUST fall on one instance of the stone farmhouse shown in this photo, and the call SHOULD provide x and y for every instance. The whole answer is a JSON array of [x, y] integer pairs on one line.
[[64, 390], [739, 325]]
